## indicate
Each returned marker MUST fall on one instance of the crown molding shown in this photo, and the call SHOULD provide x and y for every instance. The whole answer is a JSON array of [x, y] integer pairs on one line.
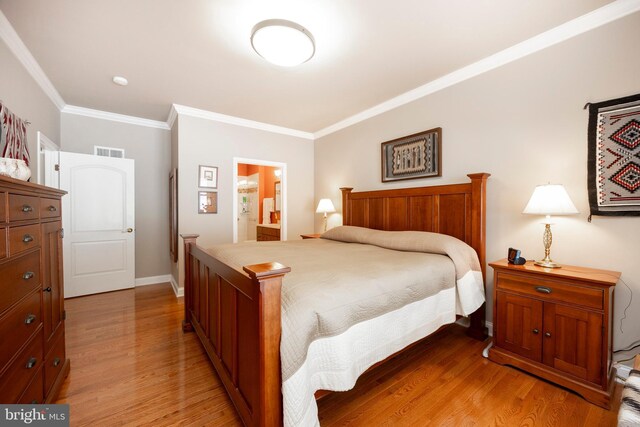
[[18, 48], [114, 117], [173, 115], [601, 16], [237, 121]]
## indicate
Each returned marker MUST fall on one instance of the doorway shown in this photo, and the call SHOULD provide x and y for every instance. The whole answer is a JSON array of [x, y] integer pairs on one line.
[[259, 200]]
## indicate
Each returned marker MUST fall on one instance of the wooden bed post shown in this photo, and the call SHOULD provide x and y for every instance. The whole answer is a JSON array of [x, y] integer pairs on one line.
[[477, 328], [188, 240], [269, 276]]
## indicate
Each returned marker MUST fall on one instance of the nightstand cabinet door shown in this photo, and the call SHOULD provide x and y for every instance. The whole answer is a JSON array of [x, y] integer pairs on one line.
[[572, 341], [519, 326]]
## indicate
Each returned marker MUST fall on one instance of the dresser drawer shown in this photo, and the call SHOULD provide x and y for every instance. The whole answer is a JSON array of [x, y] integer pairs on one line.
[[19, 277], [54, 362], [23, 207], [3, 242], [33, 395], [551, 290], [49, 208], [19, 374], [17, 325], [23, 238]]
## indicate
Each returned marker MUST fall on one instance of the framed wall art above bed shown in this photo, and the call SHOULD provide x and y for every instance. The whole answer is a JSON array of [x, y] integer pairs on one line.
[[614, 157], [412, 157]]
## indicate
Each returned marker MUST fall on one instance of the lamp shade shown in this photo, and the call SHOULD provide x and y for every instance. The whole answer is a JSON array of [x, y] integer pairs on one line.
[[325, 206], [550, 199]]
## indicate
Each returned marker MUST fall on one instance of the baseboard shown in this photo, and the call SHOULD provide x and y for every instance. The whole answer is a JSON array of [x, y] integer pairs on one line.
[[152, 280], [623, 372], [176, 290]]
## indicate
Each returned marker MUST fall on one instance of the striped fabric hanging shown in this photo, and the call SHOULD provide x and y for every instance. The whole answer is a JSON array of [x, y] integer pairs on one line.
[[13, 136]]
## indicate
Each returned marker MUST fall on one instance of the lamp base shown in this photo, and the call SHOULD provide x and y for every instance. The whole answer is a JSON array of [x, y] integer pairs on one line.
[[547, 264]]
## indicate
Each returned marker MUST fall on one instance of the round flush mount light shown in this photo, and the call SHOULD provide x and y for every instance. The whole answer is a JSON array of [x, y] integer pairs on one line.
[[282, 42], [121, 81]]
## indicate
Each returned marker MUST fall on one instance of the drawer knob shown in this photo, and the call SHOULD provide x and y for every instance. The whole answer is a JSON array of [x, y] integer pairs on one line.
[[56, 361], [543, 289], [30, 319], [27, 208], [48, 289], [28, 275], [52, 208], [31, 363], [547, 334], [27, 238], [535, 331]]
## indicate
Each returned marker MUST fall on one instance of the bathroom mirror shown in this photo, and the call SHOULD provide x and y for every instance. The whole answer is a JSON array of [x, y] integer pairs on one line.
[[276, 192]]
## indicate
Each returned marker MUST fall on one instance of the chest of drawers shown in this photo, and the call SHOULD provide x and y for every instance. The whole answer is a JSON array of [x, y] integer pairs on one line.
[[32, 352]]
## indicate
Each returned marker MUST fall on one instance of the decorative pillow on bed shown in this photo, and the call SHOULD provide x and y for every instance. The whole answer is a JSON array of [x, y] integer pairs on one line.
[[464, 257]]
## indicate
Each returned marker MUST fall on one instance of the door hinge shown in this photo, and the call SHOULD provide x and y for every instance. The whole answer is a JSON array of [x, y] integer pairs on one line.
[[64, 314], [56, 168], [62, 233]]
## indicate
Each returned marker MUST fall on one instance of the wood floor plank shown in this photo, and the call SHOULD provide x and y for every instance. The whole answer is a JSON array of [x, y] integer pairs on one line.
[[131, 365]]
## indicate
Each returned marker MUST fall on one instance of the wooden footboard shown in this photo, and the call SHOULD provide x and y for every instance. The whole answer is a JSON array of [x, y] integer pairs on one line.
[[237, 317]]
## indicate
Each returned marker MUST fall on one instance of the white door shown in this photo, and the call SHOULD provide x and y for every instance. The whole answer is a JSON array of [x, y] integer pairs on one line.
[[98, 220]]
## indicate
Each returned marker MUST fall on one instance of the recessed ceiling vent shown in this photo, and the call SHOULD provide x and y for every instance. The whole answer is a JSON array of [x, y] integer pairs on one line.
[[118, 153]]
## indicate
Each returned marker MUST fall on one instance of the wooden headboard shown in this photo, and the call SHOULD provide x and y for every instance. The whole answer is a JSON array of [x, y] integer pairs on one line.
[[458, 210]]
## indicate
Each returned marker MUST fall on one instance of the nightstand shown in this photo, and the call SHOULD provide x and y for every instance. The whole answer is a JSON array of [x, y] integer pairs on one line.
[[556, 323], [310, 236]]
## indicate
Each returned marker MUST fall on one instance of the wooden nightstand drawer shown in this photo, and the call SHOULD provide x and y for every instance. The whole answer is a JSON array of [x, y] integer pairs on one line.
[[23, 238], [551, 290], [23, 207]]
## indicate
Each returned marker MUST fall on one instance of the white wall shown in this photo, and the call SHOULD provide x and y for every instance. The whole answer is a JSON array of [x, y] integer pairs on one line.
[[150, 148], [206, 142], [23, 96], [524, 123]]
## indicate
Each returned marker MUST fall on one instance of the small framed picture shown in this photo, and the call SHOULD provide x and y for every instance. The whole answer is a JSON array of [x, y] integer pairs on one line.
[[207, 202], [208, 177]]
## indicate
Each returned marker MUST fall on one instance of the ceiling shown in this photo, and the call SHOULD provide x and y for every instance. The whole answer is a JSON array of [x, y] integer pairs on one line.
[[197, 52]]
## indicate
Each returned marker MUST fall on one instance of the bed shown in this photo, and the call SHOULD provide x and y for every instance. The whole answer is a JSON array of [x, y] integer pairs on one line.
[[237, 311]]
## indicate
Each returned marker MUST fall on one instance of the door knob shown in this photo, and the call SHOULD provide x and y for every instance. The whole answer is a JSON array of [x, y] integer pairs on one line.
[[547, 334], [129, 230], [535, 331]]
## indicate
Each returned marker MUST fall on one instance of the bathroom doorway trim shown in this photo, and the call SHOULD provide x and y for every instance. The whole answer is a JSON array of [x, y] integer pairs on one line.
[[283, 182]]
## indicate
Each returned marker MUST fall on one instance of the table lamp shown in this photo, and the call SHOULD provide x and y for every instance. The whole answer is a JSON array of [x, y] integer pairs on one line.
[[549, 199], [325, 206]]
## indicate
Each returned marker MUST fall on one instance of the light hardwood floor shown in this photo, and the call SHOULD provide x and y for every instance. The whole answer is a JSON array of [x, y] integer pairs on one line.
[[132, 365]]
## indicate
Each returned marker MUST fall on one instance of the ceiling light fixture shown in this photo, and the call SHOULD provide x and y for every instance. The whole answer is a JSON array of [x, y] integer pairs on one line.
[[282, 42], [120, 81]]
